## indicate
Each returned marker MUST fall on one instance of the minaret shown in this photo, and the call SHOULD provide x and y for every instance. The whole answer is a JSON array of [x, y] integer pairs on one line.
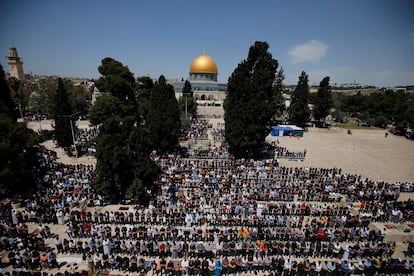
[[15, 64]]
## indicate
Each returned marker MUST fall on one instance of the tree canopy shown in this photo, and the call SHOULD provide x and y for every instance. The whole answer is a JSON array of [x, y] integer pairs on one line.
[[380, 108], [187, 103], [163, 118], [124, 167], [299, 111], [251, 101], [278, 99], [117, 79], [323, 100], [104, 108], [62, 111], [43, 95], [144, 87], [6, 103], [18, 155]]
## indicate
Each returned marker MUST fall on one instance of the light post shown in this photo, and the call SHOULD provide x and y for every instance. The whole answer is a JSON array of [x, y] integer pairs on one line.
[[39, 119], [73, 137], [186, 106], [73, 133], [21, 113], [71, 128]]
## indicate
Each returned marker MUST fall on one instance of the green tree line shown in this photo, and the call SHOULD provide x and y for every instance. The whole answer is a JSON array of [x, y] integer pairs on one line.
[[135, 118], [380, 108], [18, 161]]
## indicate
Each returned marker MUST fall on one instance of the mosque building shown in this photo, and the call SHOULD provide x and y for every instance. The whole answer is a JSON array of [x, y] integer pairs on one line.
[[203, 79]]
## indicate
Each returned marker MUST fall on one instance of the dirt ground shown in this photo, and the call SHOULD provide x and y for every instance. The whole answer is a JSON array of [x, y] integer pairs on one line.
[[62, 156], [366, 152]]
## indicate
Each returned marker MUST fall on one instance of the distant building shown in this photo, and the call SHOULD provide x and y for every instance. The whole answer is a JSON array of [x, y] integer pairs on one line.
[[95, 94], [15, 64], [203, 78]]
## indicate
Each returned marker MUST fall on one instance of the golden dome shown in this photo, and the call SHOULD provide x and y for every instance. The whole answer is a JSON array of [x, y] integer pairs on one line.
[[203, 64]]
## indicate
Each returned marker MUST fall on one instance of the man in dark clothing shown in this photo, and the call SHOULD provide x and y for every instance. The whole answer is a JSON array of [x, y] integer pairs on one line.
[[197, 265], [204, 268], [52, 260], [163, 264], [12, 259]]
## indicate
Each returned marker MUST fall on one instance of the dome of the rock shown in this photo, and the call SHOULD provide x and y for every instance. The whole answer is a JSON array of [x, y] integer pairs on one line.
[[203, 64]]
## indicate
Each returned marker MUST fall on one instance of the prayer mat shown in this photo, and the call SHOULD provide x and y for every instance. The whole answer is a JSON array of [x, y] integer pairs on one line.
[[411, 225], [390, 226], [123, 208]]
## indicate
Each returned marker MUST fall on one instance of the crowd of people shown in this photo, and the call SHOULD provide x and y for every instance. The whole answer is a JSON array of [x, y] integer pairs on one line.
[[84, 140], [215, 215], [284, 152], [199, 128]]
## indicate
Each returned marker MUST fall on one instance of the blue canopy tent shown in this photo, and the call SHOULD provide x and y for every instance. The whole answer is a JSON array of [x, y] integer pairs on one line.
[[287, 130]]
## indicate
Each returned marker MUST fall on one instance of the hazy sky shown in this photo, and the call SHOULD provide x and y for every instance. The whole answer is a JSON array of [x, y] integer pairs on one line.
[[366, 41]]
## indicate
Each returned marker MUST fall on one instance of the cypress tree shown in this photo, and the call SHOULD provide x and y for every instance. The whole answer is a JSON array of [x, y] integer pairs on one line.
[[61, 113], [187, 103], [18, 162], [250, 101], [323, 100], [124, 167], [163, 119], [6, 103], [299, 111]]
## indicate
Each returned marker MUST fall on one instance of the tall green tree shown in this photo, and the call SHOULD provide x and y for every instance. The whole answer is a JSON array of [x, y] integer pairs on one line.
[[7, 106], [104, 108], [279, 101], [117, 79], [250, 101], [144, 87], [19, 93], [187, 89], [163, 118], [124, 167], [380, 108], [114, 165], [123, 159], [43, 94], [18, 155], [16, 86], [299, 111], [323, 100], [187, 103], [41, 99], [77, 97], [62, 112]]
